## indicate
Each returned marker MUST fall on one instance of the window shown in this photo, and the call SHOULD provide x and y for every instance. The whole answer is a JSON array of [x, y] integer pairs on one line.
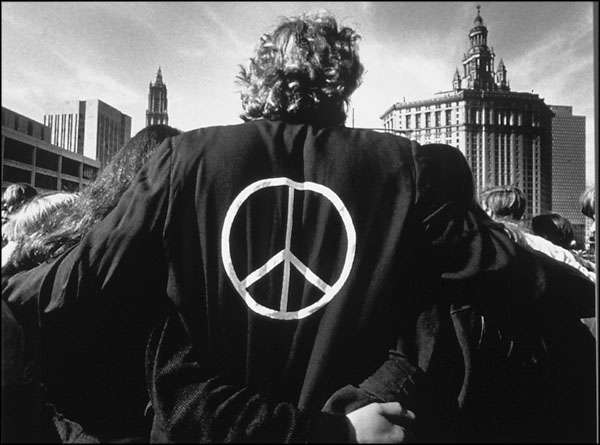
[[438, 119], [70, 167], [18, 151], [14, 174], [47, 160], [417, 121], [448, 117], [407, 118], [69, 186], [45, 181], [427, 120], [89, 172]]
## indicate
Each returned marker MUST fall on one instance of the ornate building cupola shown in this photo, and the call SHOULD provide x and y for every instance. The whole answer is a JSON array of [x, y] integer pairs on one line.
[[478, 63], [157, 102], [501, 78], [456, 80]]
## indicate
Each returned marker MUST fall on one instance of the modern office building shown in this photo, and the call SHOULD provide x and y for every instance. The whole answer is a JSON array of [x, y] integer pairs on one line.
[[157, 102], [505, 136], [29, 157], [568, 167], [88, 127]]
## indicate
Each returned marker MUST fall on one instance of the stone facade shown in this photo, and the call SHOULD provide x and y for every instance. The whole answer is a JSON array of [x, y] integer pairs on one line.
[[505, 136]]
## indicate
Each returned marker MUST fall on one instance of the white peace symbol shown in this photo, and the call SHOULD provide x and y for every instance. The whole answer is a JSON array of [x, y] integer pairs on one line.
[[285, 255]]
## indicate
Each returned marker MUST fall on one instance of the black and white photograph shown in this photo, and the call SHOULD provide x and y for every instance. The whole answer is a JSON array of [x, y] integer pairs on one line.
[[313, 222]]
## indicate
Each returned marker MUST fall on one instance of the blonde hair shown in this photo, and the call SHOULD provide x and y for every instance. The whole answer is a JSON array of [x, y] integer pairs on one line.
[[37, 216]]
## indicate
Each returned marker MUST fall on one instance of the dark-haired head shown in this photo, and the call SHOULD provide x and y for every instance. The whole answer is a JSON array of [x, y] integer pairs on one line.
[[304, 71], [102, 195], [555, 229], [504, 202]]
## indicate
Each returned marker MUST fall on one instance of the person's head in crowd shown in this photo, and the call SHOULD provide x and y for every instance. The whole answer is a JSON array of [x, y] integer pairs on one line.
[[68, 224], [304, 71], [102, 195], [32, 221], [14, 197], [555, 229], [504, 202], [37, 214], [588, 202]]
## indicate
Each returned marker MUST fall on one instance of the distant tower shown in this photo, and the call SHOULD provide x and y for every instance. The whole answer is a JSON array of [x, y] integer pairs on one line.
[[157, 102], [456, 80], [479, 61], [501, 79]]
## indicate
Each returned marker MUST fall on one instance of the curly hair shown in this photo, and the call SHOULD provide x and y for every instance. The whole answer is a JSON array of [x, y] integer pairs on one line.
[[504, 201], [304, 71]]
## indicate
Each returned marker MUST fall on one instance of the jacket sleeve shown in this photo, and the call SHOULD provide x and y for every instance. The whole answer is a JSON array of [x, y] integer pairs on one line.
[[119, 256], [192, 402], [459, 245]]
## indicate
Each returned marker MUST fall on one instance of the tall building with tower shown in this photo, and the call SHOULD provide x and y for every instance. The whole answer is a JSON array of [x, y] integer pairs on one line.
[[157, 102], [568, 167], [88, 127], [506, 136]]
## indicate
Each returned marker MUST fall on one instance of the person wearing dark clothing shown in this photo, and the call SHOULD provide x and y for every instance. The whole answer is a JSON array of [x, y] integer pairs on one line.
[[354, 270], [92, 386]]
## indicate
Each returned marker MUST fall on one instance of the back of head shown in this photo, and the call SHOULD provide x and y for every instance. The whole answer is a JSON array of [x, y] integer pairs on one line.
[[304, 71], [504, 202], [15, 196], [39, 215], [102, 195], [588, 202], [555, 229]]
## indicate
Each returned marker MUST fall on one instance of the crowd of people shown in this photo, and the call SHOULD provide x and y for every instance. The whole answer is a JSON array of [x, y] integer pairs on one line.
[[289, 279]]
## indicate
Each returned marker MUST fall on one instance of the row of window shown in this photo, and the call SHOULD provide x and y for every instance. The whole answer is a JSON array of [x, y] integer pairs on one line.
[[14, 174], [22, 152]]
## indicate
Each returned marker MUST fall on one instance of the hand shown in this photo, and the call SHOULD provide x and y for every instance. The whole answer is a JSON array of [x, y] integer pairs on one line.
[[380, 423]]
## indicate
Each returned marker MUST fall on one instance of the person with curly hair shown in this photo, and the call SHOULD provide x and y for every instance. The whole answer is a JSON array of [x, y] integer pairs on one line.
[[304, 71]]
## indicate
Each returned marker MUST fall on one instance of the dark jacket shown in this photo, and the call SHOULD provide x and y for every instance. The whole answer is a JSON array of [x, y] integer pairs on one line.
[[292, 257]]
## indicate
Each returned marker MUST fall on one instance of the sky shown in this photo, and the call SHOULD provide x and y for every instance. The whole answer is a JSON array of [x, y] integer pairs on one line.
[[60, 51]]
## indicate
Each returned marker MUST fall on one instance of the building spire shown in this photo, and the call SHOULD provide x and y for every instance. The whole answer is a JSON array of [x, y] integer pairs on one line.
[[456, 81], [478, 20], [156, 112]]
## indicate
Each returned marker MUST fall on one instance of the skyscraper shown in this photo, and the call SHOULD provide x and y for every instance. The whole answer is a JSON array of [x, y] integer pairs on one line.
[[89, 127], [568, 166], [504, 135], [157, 102]]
